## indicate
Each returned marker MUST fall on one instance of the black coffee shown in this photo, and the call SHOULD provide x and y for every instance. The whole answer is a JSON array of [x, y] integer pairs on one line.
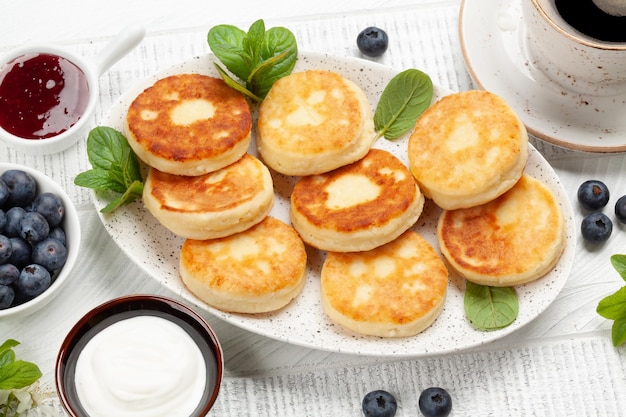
[[587, 18]]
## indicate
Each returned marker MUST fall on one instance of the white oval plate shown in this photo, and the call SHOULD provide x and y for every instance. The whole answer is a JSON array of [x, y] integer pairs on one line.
[[493, 40], [303, 322]]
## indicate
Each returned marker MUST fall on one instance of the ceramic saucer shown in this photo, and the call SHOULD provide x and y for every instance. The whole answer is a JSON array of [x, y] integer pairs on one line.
[[493, 40]]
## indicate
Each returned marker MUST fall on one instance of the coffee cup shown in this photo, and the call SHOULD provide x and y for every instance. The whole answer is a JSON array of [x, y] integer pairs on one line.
[[577, 45], [48, 94]]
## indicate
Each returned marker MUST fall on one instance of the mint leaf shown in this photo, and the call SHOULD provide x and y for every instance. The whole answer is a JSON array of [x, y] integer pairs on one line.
[[8, 344], [404, 99], [18, 374], [7, 357], [618, 332], [115, 167], [490, 308], [619, 263], [257, 57], [613, 307]]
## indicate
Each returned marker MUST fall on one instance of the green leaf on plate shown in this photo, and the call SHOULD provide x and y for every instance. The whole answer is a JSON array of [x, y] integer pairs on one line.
[[405, 98], [613, 307], [490, 308]]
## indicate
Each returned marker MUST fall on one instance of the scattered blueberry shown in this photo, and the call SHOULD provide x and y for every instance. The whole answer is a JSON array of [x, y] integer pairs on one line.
[[22, 187], [34, 279], [34, 227], [8, 274], [620, 209], [372, 41], [379, 403], [596, 227], [14, 216], [50, 206], [435, 402], [22, 251], [5, 249], [7, 295], [50, 253], [593, 194]]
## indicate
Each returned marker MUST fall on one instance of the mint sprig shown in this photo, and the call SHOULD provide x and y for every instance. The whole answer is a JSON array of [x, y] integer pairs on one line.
[[15, 374], [115, 167], [490, 308], [257, 57], [613, 307], [404, 99]]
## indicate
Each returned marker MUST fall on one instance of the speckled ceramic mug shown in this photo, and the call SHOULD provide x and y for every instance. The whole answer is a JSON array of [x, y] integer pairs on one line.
[[573, 60]]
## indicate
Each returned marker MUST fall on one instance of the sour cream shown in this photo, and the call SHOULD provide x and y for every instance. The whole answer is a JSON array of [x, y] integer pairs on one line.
[[144, 366]]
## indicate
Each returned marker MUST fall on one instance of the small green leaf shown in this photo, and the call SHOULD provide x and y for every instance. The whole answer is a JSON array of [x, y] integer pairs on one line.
[[619, 263], [226, 42], [134, 192], [618, 332], [18, 374], [8, 345], [405, 98], [490, 308], [613, 307]]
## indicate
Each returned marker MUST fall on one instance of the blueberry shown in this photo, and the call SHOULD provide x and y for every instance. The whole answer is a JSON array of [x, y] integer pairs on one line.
[[22, 251], [50, 253], [7, 295], [34, 279], [5, 249], [593, 194], [50, 206], [379, 403], [22, 187], [435, 402], [3, 220], [4, 192], [372, 41], [596, 227], [620, 209], [59, 234], [13, 218], [8, 274], [34, 227]]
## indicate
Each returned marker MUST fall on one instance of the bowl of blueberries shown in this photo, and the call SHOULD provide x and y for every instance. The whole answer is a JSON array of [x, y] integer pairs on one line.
[[39, 239]]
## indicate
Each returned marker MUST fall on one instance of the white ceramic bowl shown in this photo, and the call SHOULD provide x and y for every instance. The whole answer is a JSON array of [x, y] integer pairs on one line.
[[71, 226], [128, 39], [112, 312]]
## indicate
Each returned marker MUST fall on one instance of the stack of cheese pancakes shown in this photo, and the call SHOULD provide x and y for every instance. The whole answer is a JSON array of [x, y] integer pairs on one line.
[[356, 204]]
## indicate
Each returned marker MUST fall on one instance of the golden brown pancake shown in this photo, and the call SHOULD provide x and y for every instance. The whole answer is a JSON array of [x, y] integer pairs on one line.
[[467, 149], [213, 205], [514, 239], [259, 270], [312, 122], [395, 290], [189, 124], [356, 207]]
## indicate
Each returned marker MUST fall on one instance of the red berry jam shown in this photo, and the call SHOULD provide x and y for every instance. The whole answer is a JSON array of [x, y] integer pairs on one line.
[[41, 95]]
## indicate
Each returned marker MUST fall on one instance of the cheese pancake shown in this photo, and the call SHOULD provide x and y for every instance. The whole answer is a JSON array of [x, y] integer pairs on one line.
[[212, 205], [395, 290], [312, 122], [467, 149], [514, 239], [356, 207], [259, 270], [189, 124]]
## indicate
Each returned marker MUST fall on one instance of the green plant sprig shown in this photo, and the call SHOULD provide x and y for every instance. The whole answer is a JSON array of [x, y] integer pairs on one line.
[[15, 374], [613, 307], [257, 57], [115, 167]]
